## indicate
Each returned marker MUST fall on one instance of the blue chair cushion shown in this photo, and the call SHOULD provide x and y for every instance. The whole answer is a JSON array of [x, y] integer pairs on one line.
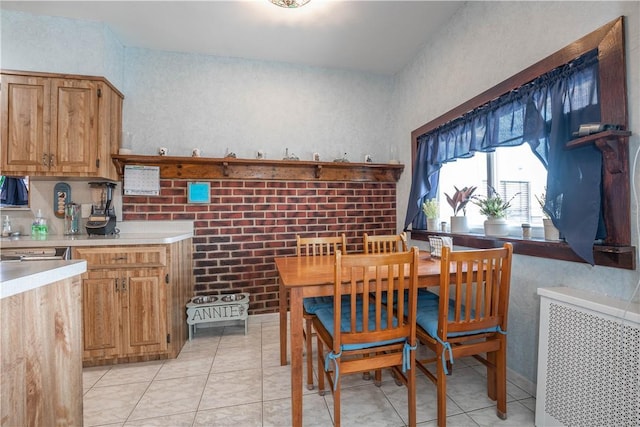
[[423, 294], [312, 304], [427, 319], [325, 316]]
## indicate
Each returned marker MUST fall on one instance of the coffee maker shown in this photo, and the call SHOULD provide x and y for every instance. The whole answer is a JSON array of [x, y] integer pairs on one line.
[[103, 216]]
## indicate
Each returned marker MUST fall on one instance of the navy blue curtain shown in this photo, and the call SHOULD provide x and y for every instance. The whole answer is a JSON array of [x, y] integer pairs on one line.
[[13, 192], [543, 114]]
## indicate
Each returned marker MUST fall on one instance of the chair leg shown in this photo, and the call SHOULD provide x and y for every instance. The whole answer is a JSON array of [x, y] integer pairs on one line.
[[501, 380], [336, 403], [491, 375], [377, 378], [309, 343], [441, 388], [321, 372], [411, 392]]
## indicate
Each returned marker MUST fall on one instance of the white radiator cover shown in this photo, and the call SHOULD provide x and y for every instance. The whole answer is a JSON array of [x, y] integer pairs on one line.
[[588, 360]]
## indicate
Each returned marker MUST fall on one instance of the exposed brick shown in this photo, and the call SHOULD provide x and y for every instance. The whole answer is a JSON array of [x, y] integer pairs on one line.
[[249, 223]]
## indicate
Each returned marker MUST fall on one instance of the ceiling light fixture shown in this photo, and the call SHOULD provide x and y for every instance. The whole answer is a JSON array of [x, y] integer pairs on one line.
[[289, 4]]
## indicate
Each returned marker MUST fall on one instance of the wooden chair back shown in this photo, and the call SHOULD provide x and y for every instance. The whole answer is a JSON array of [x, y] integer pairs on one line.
[[317, 246], [377, 244], [362, 275], [476, 294]]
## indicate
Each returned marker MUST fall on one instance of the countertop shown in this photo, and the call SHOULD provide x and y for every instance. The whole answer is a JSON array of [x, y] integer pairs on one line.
[[18, 277], [131, 233]]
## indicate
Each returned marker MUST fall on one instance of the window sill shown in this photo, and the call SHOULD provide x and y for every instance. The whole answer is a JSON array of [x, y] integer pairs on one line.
[[608, 256]]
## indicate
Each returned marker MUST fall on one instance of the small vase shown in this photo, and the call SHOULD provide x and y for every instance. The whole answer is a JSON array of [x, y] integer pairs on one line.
[[496, 227], [550, 230], [432, 224], [459, 224]]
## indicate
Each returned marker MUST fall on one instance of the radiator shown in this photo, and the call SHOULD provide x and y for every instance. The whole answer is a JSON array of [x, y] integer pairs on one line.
[[588, 360]]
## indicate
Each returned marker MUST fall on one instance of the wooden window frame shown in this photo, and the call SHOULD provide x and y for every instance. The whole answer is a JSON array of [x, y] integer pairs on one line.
[[615, 250]]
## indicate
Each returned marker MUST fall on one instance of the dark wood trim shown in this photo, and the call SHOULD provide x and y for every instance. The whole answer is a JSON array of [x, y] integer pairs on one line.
[[609, 41], [233, 168], [605, 255]]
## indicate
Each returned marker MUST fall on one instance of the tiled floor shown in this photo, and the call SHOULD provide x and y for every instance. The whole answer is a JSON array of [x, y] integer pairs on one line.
[[224, 378]]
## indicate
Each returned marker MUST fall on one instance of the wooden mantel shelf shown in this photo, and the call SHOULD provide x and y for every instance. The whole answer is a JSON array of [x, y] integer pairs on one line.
[[232, 168]]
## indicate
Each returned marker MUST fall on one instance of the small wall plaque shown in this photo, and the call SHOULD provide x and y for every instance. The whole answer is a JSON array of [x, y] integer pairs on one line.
[[198, 192]]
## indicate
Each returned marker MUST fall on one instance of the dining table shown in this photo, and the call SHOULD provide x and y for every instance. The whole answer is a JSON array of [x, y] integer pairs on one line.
[[308, 276]]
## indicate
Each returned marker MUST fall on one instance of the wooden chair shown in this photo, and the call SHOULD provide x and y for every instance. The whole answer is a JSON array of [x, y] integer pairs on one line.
[[356, 326], [316, 246], [385, 243], [469, 319]]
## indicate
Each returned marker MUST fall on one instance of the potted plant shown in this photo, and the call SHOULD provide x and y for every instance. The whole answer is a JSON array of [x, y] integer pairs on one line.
[[459, 203], [495, 209], [550, 230], [430, 209]]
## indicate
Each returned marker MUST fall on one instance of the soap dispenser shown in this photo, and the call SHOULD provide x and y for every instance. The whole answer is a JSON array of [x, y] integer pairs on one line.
[[39, 226]]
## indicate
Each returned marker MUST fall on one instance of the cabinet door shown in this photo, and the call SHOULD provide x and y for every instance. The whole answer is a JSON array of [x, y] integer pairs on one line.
[[144, 312], [25, 124], [74, 130], [101, 309]]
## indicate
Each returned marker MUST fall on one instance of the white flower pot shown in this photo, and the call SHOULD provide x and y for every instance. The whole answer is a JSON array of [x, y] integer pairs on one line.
[[432, 224], [550, 230], [496, 227], [459, 224]]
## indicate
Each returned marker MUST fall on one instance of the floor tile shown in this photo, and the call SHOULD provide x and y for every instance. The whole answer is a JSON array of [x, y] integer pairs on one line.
[[223, 377], [104, 405], [232, 388], [168, 397], [127, 373], [249, 415], [177, 420]]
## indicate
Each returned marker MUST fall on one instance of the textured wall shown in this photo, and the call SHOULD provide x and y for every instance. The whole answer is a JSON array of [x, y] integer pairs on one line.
[[484, 44], [248, 223], [182, 101], [60, 45]]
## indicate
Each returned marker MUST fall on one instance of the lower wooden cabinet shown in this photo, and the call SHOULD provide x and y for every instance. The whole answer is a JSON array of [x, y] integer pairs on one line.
[[134, 300]]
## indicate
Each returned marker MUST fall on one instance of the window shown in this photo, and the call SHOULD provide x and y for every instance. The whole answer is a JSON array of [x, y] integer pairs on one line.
[[613, 248], [514, 172]]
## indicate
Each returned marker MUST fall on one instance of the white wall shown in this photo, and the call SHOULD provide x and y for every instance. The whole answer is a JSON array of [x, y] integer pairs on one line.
[[484, 44], [60, 45], [183, 101]]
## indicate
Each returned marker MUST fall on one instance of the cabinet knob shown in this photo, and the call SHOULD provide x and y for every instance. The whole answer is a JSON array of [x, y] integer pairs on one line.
[[51, 160], [44, 160]]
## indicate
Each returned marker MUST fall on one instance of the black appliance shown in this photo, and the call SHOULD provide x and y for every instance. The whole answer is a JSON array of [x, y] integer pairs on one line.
[[103, 216]]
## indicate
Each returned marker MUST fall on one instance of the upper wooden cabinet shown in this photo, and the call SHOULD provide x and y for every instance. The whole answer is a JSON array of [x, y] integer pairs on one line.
[[59, 125]]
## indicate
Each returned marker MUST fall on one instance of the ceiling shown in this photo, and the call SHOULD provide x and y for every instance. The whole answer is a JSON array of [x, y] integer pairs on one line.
[[370, 36]]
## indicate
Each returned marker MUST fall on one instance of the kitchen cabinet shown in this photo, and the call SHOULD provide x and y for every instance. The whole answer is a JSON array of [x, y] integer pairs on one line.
[[134, 301], [41, 344], [59, 125]]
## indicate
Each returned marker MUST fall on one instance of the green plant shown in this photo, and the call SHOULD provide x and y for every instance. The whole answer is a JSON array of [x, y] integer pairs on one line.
[[460, 199], [430, 208], [493, 206], [541, 201]]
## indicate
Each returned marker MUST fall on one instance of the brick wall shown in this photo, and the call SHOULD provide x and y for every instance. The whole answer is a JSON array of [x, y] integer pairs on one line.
[[248, 223]]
